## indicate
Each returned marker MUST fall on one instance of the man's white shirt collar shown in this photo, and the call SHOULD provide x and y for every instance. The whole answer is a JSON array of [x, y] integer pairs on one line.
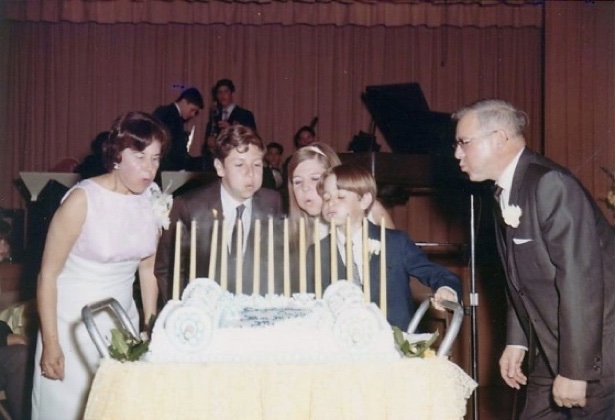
[[506, 179], [179, 111], [229, 110]]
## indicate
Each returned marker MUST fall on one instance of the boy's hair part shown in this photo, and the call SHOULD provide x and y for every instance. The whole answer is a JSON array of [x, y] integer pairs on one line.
[[352, 178], [237, 137]]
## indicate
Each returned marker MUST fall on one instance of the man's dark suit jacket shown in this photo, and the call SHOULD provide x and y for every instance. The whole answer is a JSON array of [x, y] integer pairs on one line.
[[560, 264], [404, 259], [198, 205], [238, 116], [177, 156]]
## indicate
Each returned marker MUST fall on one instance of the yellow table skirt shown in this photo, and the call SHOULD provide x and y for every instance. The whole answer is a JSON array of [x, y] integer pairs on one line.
[[430, 388]]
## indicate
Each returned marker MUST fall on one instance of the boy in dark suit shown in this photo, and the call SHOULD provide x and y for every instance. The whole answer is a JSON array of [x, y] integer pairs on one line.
[[238, 161], [348, 192]]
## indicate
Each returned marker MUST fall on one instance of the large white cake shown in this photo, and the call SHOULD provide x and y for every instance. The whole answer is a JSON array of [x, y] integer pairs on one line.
[[210, 324]]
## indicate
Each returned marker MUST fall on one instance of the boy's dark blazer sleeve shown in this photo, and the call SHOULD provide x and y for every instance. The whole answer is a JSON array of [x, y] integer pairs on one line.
[[416, 263]]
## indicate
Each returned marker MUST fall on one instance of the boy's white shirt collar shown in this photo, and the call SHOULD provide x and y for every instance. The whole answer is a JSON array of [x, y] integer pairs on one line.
[[357, 247]]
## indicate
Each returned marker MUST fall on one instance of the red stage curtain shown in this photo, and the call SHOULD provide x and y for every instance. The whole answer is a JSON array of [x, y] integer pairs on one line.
[[580, 90], [435, 13]]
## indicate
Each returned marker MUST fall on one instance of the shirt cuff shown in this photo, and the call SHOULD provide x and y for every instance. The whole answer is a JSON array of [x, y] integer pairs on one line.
[[450, 289], [517, 346]]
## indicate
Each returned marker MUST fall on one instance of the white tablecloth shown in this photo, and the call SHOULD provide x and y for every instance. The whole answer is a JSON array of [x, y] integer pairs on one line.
[[430, 388]]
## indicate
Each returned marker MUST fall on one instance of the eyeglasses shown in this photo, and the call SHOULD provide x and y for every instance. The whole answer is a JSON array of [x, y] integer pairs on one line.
[[464, 142]]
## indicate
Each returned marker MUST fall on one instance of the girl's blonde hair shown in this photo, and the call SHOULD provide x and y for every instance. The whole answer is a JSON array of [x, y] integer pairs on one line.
[[325, 156]]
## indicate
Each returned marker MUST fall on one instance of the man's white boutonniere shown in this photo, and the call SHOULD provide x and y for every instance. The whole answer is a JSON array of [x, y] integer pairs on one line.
[[511, 215], [373, 246], [161, 206]]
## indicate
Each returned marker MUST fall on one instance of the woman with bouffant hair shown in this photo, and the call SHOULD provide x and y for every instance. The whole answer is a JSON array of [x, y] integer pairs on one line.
[[104, 231]]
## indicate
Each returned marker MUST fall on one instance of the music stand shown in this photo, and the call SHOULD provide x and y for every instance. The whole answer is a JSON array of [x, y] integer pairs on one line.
[[36, 181], [172, 180]]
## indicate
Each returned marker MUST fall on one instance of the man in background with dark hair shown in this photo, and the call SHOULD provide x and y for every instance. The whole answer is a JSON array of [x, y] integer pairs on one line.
[[225, 112], [174, 117]]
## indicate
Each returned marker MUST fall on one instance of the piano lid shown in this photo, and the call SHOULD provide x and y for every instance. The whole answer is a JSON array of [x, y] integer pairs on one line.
[[408, 125]]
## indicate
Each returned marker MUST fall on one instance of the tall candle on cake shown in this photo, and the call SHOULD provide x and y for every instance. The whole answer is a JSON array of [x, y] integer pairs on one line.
[[192, 273], [270, 284], [383, 269], [224, 257], [333, 232], [256, 286], [317, 262], [286, 260], [213, 250], [365, 248], [302, 280], [349, 257], [176, 265], [239, 260]]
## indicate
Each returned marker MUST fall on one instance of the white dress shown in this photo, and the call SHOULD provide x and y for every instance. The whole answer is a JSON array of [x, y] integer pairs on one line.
[[119, 231]]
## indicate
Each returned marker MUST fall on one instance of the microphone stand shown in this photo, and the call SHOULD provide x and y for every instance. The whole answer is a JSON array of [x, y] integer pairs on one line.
[[473, 308]]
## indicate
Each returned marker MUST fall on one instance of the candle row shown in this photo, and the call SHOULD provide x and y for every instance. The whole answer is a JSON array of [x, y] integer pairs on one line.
[[286, 251]]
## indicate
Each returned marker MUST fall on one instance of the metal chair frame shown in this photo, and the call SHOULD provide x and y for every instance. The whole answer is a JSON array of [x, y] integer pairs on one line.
[[87, 313], [451, 332]]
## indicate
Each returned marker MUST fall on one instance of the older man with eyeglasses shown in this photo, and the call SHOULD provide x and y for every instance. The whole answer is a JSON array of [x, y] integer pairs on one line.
[[558, 252]]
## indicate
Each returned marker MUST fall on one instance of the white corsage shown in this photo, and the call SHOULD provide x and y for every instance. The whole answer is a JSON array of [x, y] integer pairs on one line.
[[511, 215], [373, 246], [161, 206]]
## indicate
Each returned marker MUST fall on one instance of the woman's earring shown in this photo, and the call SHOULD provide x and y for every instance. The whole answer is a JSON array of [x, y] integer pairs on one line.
[[116, 165]]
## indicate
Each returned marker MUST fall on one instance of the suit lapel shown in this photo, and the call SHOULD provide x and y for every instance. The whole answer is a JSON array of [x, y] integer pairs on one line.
[[374, 265], [515, 199]]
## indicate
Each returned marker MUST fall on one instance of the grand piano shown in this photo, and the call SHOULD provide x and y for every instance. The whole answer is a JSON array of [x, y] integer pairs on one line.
[[421, 161]]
